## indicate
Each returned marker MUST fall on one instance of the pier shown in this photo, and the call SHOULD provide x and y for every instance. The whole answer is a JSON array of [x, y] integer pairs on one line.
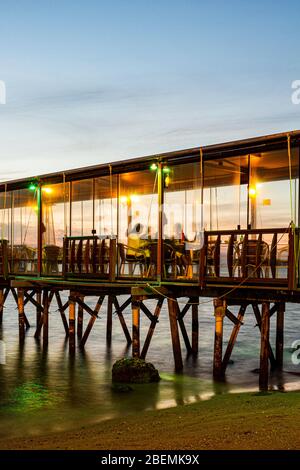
[[217, 224]]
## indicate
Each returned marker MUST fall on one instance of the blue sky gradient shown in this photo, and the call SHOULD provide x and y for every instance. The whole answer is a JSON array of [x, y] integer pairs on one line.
[[93, 81]]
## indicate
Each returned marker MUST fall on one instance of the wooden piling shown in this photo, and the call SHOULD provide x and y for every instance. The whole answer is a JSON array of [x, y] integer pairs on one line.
[[135, 328], [279, 335], [38, 310], [72, 315], [175, 334], [152, 328], [195, 325], [233, 338], [220, 311], [21, 314], [45, 318], [1, 305], [80, 319], [109, 319], [264, 347]]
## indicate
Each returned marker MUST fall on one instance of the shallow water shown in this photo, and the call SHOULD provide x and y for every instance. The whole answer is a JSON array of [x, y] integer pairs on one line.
[[42, 391]]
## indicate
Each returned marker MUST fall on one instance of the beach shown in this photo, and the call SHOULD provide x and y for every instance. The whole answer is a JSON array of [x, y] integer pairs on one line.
[[229, 421]]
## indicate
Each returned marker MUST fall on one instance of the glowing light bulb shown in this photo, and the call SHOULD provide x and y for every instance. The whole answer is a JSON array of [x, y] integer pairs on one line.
[[134, 198], [252, 192], [47, 190]]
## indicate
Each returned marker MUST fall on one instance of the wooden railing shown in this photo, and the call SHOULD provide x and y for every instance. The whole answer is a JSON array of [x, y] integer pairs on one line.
[[4, 266], [89, 257], [262, 256]]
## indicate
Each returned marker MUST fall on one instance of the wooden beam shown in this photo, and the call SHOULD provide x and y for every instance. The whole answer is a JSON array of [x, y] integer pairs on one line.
[[280, 335], [135, 328], [195, 324], [72, 315], [122, 320], [153, 324], [220, 310], [233, 337], [20, 297], [264, 347], [62, 309], [45, 318], [1, 305], [175, 334], [183, 330], [91, 322], [109, 319], [80, 320], [259, 320]]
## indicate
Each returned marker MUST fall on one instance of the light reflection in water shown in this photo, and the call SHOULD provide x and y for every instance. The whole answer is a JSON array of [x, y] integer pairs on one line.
[[46, 390]]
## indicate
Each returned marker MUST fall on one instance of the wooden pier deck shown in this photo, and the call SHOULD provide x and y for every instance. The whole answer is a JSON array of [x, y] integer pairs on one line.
[[247, 259]]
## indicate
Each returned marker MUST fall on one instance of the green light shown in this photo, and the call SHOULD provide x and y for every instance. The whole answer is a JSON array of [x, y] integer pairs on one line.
[[166, 169], [32, 187], [153, 167]]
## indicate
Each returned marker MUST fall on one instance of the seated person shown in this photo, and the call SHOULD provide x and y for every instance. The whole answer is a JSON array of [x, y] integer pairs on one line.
[[137, 243]]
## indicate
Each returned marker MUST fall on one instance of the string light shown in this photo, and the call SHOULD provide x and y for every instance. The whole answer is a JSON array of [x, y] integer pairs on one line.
[[153, 167]]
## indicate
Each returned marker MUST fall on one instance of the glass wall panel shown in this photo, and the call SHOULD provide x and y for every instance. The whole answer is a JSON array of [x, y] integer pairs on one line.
[[272, 194], [56, 216], [225, 193], [82, 222], [138, 223], [106, 206], [24, 230], [182, 223]]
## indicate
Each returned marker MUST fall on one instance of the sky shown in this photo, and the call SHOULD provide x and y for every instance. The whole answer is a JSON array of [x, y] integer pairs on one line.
[[92, 81]]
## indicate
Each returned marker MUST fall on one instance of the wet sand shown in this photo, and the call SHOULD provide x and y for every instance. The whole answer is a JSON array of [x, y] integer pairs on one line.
[[232, 421]]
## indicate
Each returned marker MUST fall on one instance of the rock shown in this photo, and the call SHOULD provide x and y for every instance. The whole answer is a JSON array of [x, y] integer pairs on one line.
[[121, 388], [134, 371]]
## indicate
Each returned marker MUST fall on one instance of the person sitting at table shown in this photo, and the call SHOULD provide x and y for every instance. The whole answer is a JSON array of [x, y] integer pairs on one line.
[[137, 243]]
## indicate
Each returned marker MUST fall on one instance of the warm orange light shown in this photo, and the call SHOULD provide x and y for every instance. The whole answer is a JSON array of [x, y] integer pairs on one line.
[[252, 192], [123, 199], [134, 198], [47, 190]]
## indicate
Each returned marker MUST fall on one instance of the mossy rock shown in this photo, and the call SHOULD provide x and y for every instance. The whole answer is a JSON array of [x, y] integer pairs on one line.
[[134, 371]]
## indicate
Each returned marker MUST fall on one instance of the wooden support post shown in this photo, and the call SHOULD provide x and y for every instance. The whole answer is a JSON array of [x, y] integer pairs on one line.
[[91, 321], [21, 314], [195, 325], [264, 347], [38, 310], [259, 320], [122, 319], [1, 305], [183, 330], [109, 319], [135, 328], [62, 309], [72, 315], [45, 318], [152, 328], [175, 334], [220, 311], [233, 338], [80, 319], [279, 335]]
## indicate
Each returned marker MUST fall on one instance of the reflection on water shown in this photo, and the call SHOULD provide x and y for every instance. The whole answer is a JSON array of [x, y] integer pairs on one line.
[[46, 390]]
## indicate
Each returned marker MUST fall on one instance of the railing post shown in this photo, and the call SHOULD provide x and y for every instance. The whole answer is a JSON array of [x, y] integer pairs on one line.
[[202, 267], [291, 261], [112, 259]]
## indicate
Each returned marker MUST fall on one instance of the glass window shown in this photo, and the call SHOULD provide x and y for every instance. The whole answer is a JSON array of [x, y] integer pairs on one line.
[[271, 192], [106, 206], [24, 230], [82, 222], [138, 223], [225, 193], [55, 211]]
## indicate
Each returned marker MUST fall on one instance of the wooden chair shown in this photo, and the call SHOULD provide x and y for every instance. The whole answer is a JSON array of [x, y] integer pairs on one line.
[[51, 257], [251, 258], [138, 258]]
